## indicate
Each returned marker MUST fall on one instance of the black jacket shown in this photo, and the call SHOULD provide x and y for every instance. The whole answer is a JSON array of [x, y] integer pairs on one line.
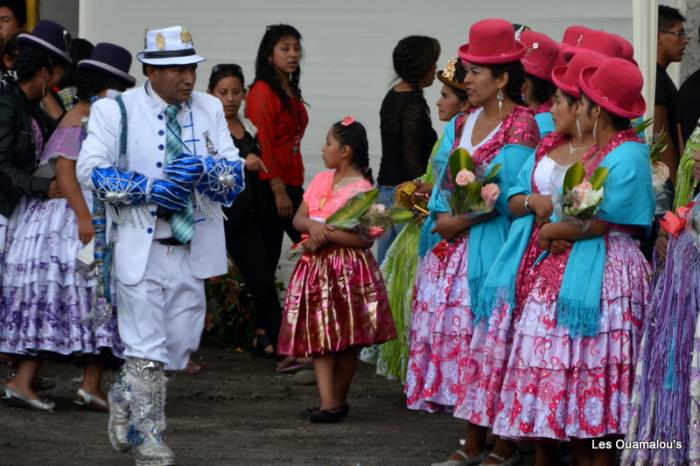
[[18, 157]]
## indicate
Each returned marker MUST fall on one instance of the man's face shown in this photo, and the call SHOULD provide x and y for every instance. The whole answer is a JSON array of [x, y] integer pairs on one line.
[[672, 42], [174, 84], [8, 23]]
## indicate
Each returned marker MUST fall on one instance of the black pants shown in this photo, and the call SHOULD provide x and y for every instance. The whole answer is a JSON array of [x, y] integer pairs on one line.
[[255, 244], [275, 227]]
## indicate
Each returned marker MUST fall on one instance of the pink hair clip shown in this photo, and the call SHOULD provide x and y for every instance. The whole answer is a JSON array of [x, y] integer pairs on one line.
[[347, 121]]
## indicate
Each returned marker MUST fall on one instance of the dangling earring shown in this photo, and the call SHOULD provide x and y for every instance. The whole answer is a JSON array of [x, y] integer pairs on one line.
[[578, 126], [500, 97], [595, 130], [43, 89]]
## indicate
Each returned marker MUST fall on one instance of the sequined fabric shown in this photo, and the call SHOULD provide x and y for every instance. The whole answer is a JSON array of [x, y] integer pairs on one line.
[[336, 300]]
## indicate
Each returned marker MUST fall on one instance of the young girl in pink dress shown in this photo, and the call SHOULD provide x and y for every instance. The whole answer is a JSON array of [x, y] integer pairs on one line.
[[336, 300]]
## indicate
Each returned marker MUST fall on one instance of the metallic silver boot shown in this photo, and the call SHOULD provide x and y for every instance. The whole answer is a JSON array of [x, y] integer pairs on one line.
[[119, 414], [146, 382]]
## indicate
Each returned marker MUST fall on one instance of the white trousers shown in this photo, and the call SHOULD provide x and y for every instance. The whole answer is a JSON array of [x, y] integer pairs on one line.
[[161, 318]]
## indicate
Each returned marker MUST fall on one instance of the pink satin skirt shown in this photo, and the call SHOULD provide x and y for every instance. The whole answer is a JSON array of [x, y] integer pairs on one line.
[[336, 299]]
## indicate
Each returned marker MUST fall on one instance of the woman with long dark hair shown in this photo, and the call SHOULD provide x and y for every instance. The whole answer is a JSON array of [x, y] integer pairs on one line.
[[276, 108], [406, 129]]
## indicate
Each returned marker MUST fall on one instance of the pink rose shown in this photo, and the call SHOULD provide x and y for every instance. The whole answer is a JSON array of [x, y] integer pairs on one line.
[[490, 193], [580, 190], [380, 208], [464, 177], [376, 232]]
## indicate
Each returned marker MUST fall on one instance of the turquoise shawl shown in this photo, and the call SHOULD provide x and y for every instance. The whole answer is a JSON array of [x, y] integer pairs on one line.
[[545, 123], [628, 200], [428, 239], [486, 239], [499, 284]]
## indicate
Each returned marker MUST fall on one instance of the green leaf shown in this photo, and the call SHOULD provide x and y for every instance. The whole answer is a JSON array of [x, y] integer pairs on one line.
[[641, 127], [574, 175], [598, 177], [354, 208], [493, 174], [399, 215], [473, 192], [460, 159]]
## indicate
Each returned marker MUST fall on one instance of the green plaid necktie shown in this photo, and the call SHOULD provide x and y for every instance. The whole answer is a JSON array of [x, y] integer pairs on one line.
[[181, 223]]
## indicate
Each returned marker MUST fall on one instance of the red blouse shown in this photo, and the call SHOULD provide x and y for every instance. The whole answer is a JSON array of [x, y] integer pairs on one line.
[[280, 129]]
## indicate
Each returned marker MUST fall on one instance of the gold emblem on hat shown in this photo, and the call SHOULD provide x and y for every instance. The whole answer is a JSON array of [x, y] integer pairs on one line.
[[186, 37], [449, 71], [160, 41]]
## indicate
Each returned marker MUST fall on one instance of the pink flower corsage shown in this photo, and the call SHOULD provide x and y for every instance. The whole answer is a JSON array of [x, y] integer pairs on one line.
[[347, 121]]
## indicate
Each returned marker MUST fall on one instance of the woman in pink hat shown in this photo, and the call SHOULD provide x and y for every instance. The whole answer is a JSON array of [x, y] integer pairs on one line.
[[531, 204], [539, 60], [499, 129], [579, 308]]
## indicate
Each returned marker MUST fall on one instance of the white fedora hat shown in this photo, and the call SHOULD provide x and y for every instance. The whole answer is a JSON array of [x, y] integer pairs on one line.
[[169, 46]]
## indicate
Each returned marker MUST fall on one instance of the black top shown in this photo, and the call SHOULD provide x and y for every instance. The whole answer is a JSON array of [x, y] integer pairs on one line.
[[248, 203], [18, 157], [407, 137], [667, 95], [689, 104]]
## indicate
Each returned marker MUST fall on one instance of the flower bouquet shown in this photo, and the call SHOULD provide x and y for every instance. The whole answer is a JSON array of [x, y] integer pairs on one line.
[[659, 170], [361, 215], [580, 199], [470, 195]]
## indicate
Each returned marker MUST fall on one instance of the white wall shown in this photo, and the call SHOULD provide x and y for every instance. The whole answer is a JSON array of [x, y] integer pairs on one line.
[[347, 44]]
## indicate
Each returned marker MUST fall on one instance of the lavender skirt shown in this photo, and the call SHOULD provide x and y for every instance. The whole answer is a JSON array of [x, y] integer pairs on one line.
[[44, 300]]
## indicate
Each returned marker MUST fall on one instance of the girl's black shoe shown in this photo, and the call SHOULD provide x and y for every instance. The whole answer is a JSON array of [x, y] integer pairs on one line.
[[326, 416], [345, 409]]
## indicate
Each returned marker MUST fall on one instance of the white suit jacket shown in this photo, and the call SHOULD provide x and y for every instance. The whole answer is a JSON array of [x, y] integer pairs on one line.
[[203, 124]]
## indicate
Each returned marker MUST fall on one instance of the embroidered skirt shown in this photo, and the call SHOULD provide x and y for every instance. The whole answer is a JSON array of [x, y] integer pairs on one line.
[[556, 386], [440, 326]]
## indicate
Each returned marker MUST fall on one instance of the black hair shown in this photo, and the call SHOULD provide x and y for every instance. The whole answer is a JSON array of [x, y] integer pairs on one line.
[[220, 72], [264, 69], [10, 47], [80, 49], [542, 88], [18, 8], [91, 82], [414, 57], [516, 79], [31, 59], [354, 135], [669, 17], [618, 123]]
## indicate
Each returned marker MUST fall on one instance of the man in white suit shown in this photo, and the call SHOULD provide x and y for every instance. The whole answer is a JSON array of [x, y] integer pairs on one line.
[[161, 158]]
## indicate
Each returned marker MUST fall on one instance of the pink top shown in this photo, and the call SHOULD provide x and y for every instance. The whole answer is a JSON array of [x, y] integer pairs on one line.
[[323, 200]]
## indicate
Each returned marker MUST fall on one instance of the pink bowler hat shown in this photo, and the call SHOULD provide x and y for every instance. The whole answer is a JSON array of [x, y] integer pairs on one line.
[[600, 41], [491, 42], [627, 48], [573, 34], [616, 85], [565, 77], [541, 55]]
